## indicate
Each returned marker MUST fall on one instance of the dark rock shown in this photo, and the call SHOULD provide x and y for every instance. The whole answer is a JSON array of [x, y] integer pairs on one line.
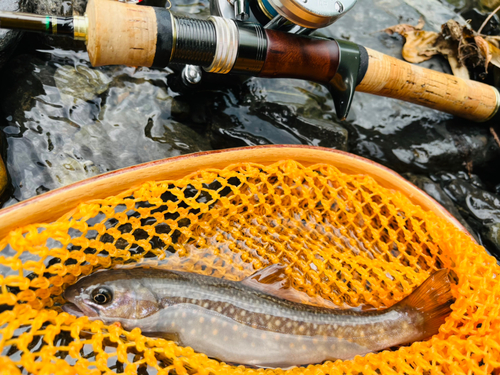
[[62, 8], [79, 7], [10, 38], [479, 207], [435, 191], [425, 147], [258, 122], [481, 204]]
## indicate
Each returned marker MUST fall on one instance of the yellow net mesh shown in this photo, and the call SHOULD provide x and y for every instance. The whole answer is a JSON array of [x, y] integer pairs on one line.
[[344, 238]]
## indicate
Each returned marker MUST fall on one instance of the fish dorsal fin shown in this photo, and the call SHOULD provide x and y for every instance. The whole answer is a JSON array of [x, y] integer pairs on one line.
[[274, 281]]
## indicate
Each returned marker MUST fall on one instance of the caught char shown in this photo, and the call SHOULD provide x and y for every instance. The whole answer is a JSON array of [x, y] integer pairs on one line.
[[233, 322]]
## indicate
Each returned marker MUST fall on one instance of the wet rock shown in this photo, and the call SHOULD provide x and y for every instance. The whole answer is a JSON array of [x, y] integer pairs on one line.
[[435, 191], [79, 7], [10, 38], [492, 235], [62, 8], [478, 206], [481, 204], [61, 130], [431, 147], [291, 119]]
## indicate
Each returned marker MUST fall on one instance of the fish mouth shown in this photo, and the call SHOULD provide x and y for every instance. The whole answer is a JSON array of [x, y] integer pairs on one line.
[[73, 309]]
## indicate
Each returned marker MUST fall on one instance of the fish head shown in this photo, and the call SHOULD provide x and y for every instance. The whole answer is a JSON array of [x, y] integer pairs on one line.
[[111, 296]]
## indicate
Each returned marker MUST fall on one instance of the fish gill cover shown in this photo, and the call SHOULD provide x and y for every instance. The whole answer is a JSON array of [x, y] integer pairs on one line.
[[343, 237]]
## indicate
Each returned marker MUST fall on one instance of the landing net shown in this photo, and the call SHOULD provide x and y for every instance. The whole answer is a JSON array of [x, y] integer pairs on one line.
[[343, 237]]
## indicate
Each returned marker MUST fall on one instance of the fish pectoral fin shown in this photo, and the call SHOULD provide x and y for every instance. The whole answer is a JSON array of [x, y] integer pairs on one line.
[[165, 335], [274, 281]]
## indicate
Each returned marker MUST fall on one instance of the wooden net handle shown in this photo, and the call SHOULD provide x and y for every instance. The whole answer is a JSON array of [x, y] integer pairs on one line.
[[391, 77]]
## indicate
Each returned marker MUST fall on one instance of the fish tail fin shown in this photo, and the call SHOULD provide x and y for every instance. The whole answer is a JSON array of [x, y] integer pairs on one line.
[[432, 300]]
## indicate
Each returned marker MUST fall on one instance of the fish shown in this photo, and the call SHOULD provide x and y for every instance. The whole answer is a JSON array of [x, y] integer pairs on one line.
[[239, 323]]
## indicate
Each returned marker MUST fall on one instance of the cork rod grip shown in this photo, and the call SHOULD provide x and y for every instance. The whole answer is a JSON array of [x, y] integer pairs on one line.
[[121, 34], [391, 77]]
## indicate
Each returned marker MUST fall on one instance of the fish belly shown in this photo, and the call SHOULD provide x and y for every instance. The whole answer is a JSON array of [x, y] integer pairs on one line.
[[227, 340]]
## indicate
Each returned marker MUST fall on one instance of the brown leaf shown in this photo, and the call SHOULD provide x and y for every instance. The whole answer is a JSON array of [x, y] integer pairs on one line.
[[404, 27], [495, 54], [484, 49], [420, 45], [420, 24], [459, 70]]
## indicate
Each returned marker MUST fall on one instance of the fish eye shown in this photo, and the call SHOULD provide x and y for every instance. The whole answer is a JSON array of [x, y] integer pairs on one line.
[[102, 296]]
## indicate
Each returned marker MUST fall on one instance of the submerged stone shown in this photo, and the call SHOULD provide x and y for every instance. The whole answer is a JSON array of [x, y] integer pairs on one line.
[[81, 81]]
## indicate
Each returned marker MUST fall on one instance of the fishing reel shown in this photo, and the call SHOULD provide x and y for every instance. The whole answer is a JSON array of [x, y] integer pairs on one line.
[[292, 16]]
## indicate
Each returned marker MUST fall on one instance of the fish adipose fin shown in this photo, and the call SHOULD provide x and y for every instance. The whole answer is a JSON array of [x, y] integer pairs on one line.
[[432, 300]]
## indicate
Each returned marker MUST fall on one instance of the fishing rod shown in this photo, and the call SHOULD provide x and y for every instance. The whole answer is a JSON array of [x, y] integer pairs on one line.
[[119, 33]]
